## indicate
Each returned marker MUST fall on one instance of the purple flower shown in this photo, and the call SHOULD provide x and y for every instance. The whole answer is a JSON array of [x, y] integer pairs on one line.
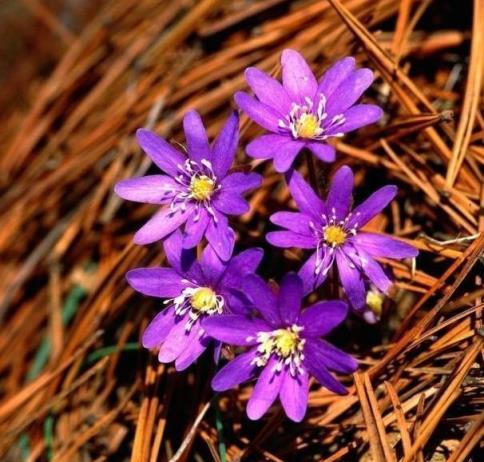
[[197, 191], [284, 347], [335, 232], [193, 290], [303, 112]]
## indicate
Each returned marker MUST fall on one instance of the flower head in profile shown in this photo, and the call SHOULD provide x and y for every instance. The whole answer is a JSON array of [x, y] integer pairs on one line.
[[193, 290], [284, 347], [303, 112], [334, 231], [196, 190]]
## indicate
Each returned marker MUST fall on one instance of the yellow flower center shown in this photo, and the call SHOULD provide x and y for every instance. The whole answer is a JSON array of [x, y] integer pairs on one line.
[[201, 187], [374, 300], [203, 299], [285, 342], [307, 126], [334, 235]]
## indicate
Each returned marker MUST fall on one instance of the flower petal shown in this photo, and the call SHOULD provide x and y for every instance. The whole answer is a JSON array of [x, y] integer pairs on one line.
[[225, 146], [294, 395], [240, 182], [268, 90], [358, 116], [161, 224], [333, 358], [236, 371], [293, 221], [266, 146], [195, 228], [370, 267], [244, 263], [351, 280], [163, 154], [306, 199], [221, 236], [335, 75], [372, 206], [307, 273], [159, 328], [151, 189], [196, 346], [262, 297], [180, 259], [177, 340], [322, 151], [265, 391], [286, 153], [289, 298], [287, 239], [230, 203], [212, 266], [348, 92], [157, 282], [339, 197], [259, 112], [322, 375], [297, 77], [381, 245], [322, 317], [196, 136], [234, 329]]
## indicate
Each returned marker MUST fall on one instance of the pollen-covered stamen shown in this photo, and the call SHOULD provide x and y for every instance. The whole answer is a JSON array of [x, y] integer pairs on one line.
[[306, 121], [374, 301], [285, 345], [199, 184], [197, 302]]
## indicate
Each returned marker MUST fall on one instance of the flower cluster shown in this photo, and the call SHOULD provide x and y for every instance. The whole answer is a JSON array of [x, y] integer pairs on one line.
[[218, 298]]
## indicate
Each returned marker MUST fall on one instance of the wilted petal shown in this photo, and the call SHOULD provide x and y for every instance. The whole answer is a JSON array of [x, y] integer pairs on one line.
[[381, 245], [297, 77], [196, 136], [163, 154], [294, 395], [161, 224], [225, 146], [151, 189], [265, 391], [339, 197], [259, 112], [236, 371], [268, 90], [372, 206], [322, 317]]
